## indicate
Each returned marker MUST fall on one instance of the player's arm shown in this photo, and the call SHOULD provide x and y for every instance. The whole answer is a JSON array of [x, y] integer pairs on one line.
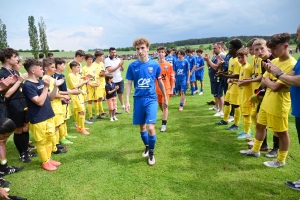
[[128, 90], [14, 88], [163, 91], [290, 79], [40, 100], [111, 69], [274, 86]]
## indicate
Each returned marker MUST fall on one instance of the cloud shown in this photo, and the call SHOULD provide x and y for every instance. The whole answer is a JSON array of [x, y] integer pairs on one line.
[[78, 34]]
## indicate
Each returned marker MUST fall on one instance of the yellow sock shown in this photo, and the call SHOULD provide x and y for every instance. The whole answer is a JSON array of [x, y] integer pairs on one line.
[[81, 121], [75, 116], [256, 146], [253, 117], [54, 140], [237, 116], [62, 134], [90, 110], [65, 128], [49, 147], [227, 110], [282, 156], [247, 123], [41, 150], [100, 106], [96, 105]]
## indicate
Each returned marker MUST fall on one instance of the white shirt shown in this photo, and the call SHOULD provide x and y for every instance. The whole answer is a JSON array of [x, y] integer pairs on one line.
[[113, 63]]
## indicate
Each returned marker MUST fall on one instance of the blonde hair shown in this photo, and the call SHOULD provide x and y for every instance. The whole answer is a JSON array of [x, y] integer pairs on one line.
[[141, 40], [259, 41], [242, 51]]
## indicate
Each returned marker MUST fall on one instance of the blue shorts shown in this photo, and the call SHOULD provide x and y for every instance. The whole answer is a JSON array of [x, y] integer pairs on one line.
[[223, 86], [193, 77], [144, 110], [181, 88], [199, 78], [215, 89]]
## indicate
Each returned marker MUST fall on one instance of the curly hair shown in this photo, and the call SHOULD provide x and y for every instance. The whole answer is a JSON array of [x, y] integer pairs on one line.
[[141, 40], [30, 62], [7, 53], [236, 43]]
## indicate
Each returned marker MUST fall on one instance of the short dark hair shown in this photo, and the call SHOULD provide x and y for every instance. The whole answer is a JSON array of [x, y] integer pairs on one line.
[[279, 38], [98, 53], [73, 64], [41, 55], [30, 62], [7, 53], [59, 61], [79, 53], [236, 43], [87, 56], [50, 54], [181, 51], [188, 50], [199, 51], [108, 76], [161, 48], [7, 126], [112, 49], [169, 51], [47, 62]]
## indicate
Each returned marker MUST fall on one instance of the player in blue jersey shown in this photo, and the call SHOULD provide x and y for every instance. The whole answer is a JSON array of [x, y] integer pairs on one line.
[[170, 57], [199, 71], [192, 63], [182, 76], [143, 73]]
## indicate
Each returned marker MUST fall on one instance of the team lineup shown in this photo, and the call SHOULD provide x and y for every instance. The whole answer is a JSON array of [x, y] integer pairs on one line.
[[43, 99]]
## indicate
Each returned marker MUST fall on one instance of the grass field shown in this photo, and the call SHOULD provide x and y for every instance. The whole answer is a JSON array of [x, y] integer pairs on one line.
[[195, 159]]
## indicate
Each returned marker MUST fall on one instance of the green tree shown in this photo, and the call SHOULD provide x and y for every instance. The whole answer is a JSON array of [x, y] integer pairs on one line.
[[209, 47], [201, 46], [3, 36], [43, 37], [33, 37]]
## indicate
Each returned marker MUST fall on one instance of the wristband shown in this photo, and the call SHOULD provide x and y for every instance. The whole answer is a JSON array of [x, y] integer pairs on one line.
[[279, 74]]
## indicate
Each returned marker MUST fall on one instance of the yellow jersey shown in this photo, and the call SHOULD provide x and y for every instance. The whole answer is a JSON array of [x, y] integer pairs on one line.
[[101, 67], [234, 68], [256, 71], [278, 103], [56, 102], [245, 91]]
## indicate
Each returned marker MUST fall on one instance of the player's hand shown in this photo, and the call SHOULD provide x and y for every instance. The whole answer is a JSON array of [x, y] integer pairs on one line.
[[165, 105], [46, 80], [243, 82], [263, 81], [3, 193], [206, 57], [75, 92], [127, 107], [116, 87], [14, 78], [88, 76], [58, 82]]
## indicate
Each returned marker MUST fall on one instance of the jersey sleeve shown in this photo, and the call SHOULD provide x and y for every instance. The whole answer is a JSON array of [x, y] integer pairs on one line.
[[158, 72], [129, 74], [29, 91], [71, 81]]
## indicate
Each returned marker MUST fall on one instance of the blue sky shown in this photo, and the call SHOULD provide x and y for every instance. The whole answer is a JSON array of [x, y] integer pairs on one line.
[[89, 24]]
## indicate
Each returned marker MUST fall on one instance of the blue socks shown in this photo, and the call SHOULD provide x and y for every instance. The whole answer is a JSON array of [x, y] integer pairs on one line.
[[181, 104], [144, 136], [152, 140], [193, 90]]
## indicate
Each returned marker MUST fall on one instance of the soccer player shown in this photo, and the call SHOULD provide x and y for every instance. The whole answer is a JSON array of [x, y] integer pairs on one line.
[[49, 69], [214, 67], [192, 63], [199, 71], [40, 112], [50, 55], [167, 76], [74, 82], [231, 97], [275, 115], [93, 90], [245, 92], [115, 66], [143, 73], [100, 69], [15, 103], [182, 76], [63, 130]]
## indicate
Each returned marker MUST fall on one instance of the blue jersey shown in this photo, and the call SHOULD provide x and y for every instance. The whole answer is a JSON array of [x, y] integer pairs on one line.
[[144, 76], [181, 69], [37, 113], [295, 93], [199, 63], [192, 61], [224, 66], [170, 59]]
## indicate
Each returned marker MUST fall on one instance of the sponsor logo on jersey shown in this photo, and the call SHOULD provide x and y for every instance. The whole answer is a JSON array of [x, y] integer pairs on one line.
[[179, 71], [150, 69], [143, 82]]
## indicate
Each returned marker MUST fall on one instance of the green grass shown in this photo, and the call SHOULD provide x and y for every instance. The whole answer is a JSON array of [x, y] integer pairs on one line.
[[195, 159]]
